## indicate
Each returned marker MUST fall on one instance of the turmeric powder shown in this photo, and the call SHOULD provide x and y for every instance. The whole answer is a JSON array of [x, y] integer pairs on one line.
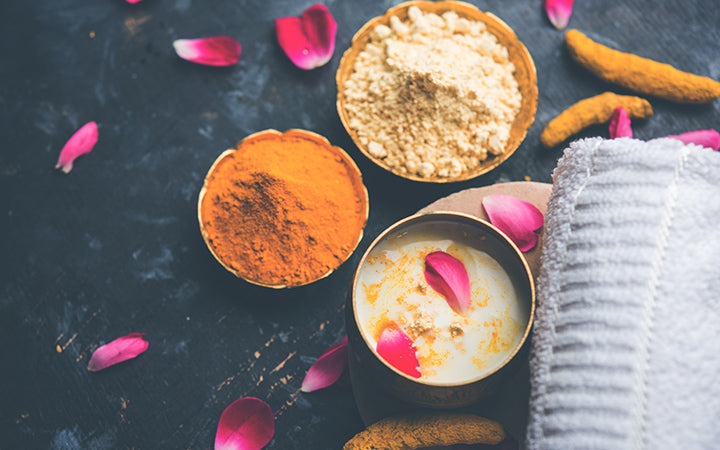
[[413, 432], [592, 111], [639, 74], [283, 209]]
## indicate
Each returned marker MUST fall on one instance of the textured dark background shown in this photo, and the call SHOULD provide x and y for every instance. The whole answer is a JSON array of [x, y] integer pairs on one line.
[[114, 246]]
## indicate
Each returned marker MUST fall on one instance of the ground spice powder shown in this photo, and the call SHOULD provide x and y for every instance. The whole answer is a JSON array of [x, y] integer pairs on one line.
[[433, 96], [283, 209]]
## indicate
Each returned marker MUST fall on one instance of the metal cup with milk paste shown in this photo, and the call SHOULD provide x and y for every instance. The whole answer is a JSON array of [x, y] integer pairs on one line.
[[496, 329]]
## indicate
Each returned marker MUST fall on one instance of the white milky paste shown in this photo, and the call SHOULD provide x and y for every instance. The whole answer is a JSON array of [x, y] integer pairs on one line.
[[451, 348]]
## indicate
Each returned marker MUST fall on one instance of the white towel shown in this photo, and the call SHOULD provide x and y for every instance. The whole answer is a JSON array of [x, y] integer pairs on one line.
[[626, 344]]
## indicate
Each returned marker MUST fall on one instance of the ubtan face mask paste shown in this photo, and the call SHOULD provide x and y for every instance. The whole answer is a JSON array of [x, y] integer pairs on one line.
[[391, 290]]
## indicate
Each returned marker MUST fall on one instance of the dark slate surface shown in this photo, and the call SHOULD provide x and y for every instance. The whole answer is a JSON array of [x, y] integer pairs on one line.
[[114, 246]]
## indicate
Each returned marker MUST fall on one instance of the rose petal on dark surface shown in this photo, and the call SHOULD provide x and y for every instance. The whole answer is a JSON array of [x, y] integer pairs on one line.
[[308, 40], [247, 424], [81, 142], [210, 51], [328, 368], [559, 12], [117, 351]]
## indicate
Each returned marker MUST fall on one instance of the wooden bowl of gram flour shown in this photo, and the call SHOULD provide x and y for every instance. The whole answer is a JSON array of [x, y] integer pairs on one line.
[[437, 91]]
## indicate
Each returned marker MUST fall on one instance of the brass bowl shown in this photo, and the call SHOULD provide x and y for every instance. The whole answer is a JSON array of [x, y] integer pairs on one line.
[[525, 74], [355, 178], [368, 363]]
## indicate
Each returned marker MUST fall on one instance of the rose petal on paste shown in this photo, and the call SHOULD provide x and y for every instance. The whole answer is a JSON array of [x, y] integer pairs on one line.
[[559, 11], [706, 138], [210, 51], [81, 142], [308, 40], [448, 276], [328, 368], [516, 218], [247, 424], [396, 347], [119, 350], [620, 124]]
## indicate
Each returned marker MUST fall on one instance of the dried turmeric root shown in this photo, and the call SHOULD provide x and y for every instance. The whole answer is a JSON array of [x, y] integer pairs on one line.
[[591, 111], [640, 74], [412, 432]]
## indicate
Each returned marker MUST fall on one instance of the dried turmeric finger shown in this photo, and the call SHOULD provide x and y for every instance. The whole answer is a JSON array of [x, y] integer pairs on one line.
[[639, 74], [591, 111], [412, 432]]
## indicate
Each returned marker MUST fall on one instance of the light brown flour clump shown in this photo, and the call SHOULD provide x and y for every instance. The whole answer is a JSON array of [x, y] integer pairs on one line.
[[432, 96]]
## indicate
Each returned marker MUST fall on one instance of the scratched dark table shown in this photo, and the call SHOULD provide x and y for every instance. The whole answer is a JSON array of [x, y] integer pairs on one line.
[[114, 246]]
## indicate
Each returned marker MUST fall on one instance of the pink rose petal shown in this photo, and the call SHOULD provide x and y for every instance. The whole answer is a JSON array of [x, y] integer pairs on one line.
[[117, 351], [448, 276], [398, 350], [559, 11], [706, 138], [308, 40], [133, 1], [79, 143], [328, 368], [620, 124], [247, 424], [211, 51], [516, 218]]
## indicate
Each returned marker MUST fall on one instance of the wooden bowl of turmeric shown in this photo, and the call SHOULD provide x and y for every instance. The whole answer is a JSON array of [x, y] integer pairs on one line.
[[283, 209], [437, 91]]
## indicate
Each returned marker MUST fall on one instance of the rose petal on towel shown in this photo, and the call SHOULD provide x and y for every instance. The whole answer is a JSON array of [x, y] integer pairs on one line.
[[620, 124], [117, 351], [398, 350], [516, 218], [706, 138], [448, 276], [210, 51], [247, 424], [328, 368], [308, 40], [133, 1], [559, 11], [81, 142]]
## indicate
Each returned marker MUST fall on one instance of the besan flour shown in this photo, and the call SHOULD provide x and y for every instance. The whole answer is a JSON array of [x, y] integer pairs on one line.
[[433, 96]]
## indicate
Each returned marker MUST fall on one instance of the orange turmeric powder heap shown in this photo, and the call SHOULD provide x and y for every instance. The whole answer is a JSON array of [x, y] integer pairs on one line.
[[283, 209]]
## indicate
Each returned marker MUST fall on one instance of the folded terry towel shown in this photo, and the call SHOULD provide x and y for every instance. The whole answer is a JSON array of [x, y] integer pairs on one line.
[[626, 345]]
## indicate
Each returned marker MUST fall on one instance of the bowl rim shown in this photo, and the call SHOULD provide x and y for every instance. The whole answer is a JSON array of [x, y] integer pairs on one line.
[[445, 216], [519, 56], [272, 133]]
